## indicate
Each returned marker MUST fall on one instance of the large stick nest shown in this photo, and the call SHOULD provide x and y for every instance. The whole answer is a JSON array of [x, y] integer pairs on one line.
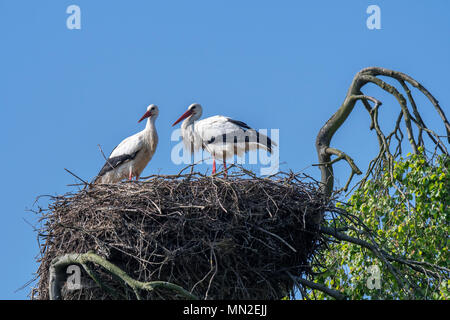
[[237, 238]]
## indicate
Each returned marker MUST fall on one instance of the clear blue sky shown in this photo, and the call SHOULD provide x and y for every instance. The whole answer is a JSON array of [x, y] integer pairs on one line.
[[272, 64]]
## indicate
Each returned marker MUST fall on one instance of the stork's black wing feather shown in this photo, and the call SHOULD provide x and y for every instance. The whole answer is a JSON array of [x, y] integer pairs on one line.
[[114, 162], [246, 127], [241, 124]]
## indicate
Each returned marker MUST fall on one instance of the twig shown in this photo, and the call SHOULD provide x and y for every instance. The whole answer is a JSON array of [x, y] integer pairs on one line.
[[73, 174]]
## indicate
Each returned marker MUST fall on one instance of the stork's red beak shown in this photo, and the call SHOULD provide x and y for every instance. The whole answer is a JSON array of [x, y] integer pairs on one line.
[[146, 115], [184, 116]]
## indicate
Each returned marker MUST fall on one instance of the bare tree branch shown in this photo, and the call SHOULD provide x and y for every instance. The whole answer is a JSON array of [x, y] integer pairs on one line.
[[317, 286], [58, 273], [385, 157]]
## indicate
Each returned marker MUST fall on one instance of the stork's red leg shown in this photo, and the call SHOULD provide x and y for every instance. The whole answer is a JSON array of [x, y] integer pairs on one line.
[[214, 166], [225, 173], [131, 174]]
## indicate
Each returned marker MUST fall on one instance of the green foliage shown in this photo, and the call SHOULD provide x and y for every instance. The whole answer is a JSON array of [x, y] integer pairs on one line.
[[408, 211]]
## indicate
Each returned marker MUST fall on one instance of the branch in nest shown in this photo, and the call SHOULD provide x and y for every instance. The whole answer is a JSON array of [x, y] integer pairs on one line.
[[73, 174]]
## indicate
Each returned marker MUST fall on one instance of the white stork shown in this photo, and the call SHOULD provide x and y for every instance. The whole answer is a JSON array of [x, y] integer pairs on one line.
[[132, 155], [221, 136]]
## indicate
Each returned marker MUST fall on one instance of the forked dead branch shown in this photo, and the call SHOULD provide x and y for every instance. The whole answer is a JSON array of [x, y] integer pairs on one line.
[[408, 114]]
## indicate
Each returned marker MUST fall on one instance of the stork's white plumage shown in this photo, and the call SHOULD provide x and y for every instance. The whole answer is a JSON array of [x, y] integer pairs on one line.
[[132, 155], [221, 136]]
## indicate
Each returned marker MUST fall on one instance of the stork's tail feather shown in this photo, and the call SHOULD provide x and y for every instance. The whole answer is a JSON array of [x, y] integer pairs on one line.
[[264, 142]]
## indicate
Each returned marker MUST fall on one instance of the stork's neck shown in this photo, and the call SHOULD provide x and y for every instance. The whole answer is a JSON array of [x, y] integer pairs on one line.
[[190, 121], [150, 130], [150, 126]]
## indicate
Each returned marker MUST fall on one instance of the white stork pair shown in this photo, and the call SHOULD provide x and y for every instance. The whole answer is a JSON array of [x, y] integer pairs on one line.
[[221, 136]]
